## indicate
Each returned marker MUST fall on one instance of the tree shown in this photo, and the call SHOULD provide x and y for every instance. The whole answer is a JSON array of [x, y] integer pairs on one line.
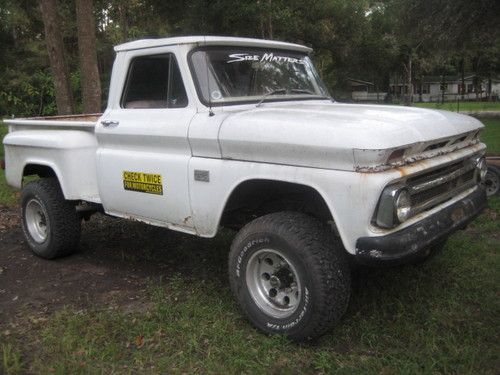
[[90, 81], [57, 58]]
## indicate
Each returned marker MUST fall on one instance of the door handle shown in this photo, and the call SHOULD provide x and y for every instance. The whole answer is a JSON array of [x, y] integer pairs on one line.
[[108, 123]]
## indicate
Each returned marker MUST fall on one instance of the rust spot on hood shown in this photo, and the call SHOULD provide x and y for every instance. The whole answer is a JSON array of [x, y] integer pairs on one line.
[[402, 171], [413, 160]]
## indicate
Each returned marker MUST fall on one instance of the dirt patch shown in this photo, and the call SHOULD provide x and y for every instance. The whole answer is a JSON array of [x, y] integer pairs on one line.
[[114, 267]]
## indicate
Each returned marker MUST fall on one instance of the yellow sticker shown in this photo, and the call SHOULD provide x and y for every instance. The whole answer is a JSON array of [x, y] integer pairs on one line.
[[143, 182]]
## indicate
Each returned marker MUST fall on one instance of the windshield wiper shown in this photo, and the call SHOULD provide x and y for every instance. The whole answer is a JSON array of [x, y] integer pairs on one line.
[[273, 92], [303, 91]]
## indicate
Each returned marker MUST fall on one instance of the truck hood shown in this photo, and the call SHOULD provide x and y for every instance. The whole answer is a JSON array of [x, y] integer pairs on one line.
[[342, 136]]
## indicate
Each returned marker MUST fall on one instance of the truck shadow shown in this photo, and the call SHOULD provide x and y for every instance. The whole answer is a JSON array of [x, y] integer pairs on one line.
[[156, 253], [120, 260]]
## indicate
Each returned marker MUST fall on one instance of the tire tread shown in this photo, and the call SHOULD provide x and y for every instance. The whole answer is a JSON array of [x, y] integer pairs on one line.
[[321, 251], [65, 225]]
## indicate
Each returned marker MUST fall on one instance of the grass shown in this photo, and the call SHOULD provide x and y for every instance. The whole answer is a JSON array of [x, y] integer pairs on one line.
[[463, 106], [11, 360], [491, 135], [441, 317]]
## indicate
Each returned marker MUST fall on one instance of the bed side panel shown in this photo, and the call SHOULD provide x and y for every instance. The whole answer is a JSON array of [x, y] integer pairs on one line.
[[70, 153]]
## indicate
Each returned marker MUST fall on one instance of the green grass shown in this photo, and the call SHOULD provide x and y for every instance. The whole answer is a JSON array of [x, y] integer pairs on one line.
[[440, 317], [463, 106], [491, 135], [10, 360]]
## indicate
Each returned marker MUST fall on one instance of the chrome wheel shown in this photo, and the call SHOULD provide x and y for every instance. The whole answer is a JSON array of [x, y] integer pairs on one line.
[[273, 283], [37, 220], [491, 183]]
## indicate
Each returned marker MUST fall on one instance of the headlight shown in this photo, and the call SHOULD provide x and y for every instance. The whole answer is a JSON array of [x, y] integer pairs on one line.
[[481, 169], [403, 205], [394, 207]]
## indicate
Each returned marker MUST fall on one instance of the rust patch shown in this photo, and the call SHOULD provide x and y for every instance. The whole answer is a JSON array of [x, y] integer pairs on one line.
[[458, 214], [402, 171], [78, 117], [411, 160], [186, 220]]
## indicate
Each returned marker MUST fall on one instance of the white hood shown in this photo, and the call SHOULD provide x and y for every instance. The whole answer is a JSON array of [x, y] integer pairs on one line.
[[330, 135]]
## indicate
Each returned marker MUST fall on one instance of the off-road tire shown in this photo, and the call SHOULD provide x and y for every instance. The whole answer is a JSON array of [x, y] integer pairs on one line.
[[63, 224], [319, 259], [492, 181]]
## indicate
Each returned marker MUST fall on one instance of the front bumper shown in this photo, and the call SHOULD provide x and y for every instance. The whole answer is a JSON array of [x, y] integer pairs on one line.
[[408, 243]]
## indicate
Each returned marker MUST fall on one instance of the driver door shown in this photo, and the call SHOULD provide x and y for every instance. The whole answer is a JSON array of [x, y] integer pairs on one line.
[[143, 152]]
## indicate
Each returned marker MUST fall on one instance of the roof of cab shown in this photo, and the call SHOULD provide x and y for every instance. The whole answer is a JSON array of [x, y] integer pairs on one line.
[[210, 40]]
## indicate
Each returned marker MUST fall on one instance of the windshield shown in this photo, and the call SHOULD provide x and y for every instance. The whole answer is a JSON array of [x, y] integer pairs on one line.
[[235, 75]]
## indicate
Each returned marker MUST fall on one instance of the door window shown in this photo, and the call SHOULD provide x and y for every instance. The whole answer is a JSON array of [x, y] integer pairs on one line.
[[154, 82]]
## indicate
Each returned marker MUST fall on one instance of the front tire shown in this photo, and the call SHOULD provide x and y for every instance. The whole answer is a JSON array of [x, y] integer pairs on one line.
[[289, 275], [50, 223]]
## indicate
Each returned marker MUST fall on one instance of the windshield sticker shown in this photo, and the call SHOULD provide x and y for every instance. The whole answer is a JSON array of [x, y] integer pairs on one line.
[[266, 57], [216, 95]]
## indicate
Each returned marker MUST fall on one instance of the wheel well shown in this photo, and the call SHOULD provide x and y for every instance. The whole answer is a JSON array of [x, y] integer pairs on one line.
[[38, 170], [255, 198]]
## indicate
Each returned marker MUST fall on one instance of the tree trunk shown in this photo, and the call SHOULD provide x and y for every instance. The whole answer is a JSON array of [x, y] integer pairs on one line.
[[122, 12], [57, 59], [261, 19], [270, 19], [91, 84], [420, 92], [462, 71], [442, 89], [488, 92], [410, 82], [407, 84]]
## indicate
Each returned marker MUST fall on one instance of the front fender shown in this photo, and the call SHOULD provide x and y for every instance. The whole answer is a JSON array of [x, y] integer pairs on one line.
[[351, 197]]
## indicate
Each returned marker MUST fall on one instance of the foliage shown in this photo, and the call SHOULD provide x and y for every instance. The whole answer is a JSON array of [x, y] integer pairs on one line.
[[364, 39]]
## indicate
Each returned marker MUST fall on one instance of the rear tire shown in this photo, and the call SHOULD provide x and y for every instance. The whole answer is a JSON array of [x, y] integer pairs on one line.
[[50, 223], [289, 275]]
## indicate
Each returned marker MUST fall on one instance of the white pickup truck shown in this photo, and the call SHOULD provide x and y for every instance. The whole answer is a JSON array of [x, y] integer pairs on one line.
[[208, 132]]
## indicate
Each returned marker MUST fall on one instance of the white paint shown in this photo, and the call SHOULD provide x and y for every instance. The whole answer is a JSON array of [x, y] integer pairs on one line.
[[210, 40], [70, 153]]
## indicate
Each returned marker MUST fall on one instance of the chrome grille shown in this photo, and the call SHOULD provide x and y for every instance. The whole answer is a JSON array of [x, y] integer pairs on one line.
[[439, 185]]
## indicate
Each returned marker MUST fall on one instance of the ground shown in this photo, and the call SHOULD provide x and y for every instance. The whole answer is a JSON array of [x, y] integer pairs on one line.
[[140, 299], [462, 106]]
